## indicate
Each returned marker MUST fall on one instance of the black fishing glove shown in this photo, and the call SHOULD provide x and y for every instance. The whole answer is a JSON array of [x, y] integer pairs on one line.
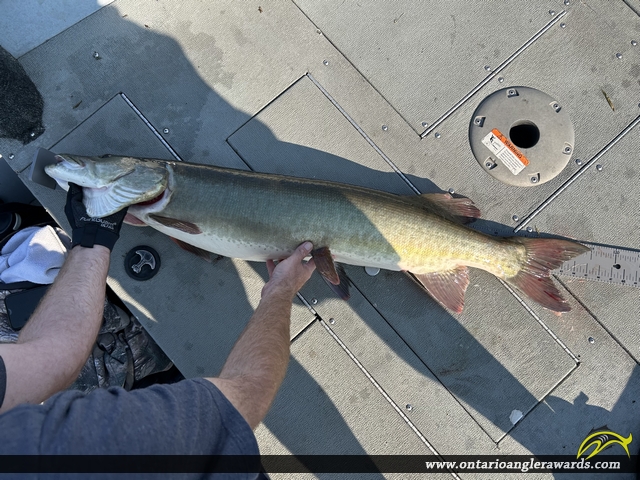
[[88, 231]]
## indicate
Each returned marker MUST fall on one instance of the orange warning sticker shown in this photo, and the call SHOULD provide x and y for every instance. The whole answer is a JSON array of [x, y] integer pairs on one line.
[[506, 151]]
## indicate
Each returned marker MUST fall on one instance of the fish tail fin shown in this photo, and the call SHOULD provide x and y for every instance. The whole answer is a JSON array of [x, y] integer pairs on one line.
[[542, 256]]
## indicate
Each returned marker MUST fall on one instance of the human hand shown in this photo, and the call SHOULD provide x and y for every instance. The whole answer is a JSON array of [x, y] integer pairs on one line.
[[289, 275], [88, 231]]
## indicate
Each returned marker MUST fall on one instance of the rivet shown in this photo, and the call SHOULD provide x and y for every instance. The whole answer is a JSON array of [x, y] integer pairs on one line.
[[552, 12], [619, 56], [32, 134], [599, 167], [488, 164], [332, 320], [578, 161], [437, 135], [500, 79], [385, 128], [567, 149], [314, 301], [326, 62], [592, 340], [409, 407], [451, 191], [318, 31], [96, 55], [11, 155], [529, 229], [634, 43], [515, 218], [563, 25], [487, 68], [165, 130], [534, 179], [566, 2], [372, 271], [425, 124]]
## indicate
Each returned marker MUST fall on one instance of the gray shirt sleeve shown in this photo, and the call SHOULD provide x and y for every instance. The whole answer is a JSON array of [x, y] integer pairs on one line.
[[190, 417], [3, 381]]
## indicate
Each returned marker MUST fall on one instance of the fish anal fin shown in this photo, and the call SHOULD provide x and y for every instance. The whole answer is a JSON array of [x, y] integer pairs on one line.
[[324, 265], [182, 225], [447, 288], [458, 209], [193, 249]]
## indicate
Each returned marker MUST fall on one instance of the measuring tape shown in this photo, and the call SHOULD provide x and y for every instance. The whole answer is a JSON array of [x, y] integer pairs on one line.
[[604, 264]]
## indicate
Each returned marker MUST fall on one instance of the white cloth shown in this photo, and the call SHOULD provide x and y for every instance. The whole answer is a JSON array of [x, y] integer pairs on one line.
[[34, 254]]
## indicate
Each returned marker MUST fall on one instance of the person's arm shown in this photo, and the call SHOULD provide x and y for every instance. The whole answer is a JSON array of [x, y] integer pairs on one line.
[[256, 366], [57, 340]]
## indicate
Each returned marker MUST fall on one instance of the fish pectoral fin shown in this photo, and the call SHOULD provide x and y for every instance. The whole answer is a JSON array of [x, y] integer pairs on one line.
[[324, 264], [193, 249], [447, 288], [332, 273], [182, 225], [458, 209]]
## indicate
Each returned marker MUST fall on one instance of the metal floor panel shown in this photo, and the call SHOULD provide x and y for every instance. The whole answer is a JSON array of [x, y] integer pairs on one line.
[[227, 83], [314, 414], [601, 206], [43, 20], [411, 51]]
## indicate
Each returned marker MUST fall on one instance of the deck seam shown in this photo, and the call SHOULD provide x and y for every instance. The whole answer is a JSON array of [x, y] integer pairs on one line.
[[541, 400], [494, 73], [382, 392], [542, 324], [435, 376], [602, 325], [578, 174], [150, 126], [363, 133]]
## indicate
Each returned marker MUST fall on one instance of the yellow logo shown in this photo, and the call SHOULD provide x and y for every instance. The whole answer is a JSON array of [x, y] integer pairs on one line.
[[603, 438]]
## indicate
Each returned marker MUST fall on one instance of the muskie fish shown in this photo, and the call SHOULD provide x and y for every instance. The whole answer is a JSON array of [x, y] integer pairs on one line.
[[256, 216]]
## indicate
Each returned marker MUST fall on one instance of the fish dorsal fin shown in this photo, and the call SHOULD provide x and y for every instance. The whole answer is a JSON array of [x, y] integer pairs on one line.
[[458, 209], [447, 288], [332, 273], [182, 225]]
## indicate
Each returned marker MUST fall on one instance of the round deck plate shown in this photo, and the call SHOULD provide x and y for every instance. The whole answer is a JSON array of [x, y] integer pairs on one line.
[[142, 263], [521, 136]]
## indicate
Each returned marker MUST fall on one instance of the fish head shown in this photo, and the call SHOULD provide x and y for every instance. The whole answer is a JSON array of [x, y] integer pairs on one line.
[[110, 183]]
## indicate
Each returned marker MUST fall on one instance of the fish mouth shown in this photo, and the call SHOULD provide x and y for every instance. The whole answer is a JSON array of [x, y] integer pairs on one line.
[[70, 163]]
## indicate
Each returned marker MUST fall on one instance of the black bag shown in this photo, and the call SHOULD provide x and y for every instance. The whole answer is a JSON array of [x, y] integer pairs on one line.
[[123, 354]]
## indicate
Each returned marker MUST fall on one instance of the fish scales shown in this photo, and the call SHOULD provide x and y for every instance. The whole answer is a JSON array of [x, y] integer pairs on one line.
[[365, 227]]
